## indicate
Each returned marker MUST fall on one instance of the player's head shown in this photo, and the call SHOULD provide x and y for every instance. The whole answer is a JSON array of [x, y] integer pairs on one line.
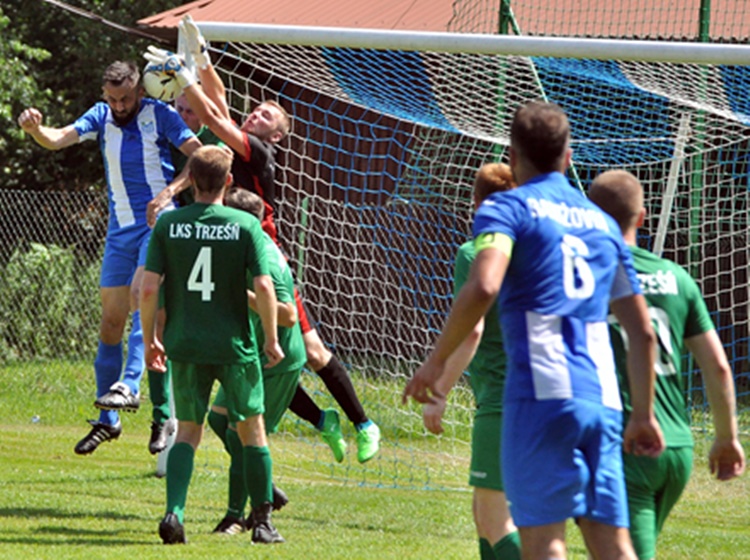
[[269, 121], [539, 139], [620, 195], [182, 106], [243, 199], [490, 178], [209, 169], [122, 90]]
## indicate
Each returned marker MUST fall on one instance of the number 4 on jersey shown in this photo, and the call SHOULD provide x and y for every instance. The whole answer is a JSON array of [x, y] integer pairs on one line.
[[200, 275]]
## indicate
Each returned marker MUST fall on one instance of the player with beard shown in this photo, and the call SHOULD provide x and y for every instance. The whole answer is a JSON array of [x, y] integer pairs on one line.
[[253, 169], [134, 134]]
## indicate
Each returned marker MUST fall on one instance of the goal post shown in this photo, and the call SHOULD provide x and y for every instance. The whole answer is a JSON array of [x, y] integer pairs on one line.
[[375, 181]]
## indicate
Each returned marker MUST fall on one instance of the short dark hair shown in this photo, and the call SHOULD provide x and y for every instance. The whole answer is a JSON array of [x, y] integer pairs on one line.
[[120, 73], [243, 199], [209, 168], [540, 133], [620, 194]]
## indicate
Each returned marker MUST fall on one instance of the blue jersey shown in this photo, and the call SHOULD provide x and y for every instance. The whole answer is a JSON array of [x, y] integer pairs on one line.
[[568, 262], [137, 160]]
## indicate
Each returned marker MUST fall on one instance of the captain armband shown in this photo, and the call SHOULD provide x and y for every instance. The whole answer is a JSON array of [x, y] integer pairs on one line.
[[494, 241]]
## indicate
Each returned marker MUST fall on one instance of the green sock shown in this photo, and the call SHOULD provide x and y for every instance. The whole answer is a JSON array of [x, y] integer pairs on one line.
[[485, 550], [509, 547], [237, 488], [219, 424], [258, 474], [158, 389], [179, 471]]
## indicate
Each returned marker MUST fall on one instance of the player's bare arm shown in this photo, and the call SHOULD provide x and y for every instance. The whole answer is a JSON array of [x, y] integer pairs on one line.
[[178, 184], [286, 311], [267, 308], [30, 121], [211, 83], [149, 303], [642, 435], [432, 413], [473, 301], [726, 458]]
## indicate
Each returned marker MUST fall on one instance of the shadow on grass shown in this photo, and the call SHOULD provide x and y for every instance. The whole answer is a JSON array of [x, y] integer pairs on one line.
[[49, 513]]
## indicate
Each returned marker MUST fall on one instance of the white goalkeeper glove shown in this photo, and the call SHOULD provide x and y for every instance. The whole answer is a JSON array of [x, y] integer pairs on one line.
[[196, 44], [171, 64]]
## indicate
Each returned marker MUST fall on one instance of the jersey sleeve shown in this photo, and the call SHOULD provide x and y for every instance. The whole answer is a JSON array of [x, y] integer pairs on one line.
[[626, 279], [464, 258], [501, 212], [699, 319], [155, 254], [283, 281], [257, 256], [89, 125], [171, 124]]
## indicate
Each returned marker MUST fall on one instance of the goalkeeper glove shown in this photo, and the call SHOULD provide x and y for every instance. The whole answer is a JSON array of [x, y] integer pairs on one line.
[[196, 44], [171, 64]]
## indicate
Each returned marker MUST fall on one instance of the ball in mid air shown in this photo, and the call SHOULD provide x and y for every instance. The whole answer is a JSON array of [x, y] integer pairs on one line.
[[160, 85]]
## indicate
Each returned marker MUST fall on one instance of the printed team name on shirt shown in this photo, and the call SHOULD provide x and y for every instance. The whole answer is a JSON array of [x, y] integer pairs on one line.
[[660, 283], [205, 232], [568, 216]]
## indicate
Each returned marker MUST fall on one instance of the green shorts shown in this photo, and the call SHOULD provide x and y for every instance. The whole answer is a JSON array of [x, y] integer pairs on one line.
[[192, 384], [654, 486], [278, 392], [486, 439]]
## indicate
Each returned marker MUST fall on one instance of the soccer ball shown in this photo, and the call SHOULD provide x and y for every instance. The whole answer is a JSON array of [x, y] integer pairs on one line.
[[160, 85]]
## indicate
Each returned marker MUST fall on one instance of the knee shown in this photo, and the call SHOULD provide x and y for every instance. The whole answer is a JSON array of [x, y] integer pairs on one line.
[[318, 356], [111, 328]]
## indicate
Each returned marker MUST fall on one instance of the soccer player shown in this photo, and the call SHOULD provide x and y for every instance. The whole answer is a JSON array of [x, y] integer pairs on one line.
[[561, 263], [498, 536], [202, 253], [253, 169], [134, 134], [681, 322], [279, 382]]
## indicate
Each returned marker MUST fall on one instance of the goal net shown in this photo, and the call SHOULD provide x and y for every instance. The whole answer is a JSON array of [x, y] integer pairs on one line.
[[375, 182]]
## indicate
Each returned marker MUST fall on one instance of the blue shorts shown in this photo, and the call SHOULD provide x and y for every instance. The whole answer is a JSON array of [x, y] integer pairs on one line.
[[124, 251], [563, 459]]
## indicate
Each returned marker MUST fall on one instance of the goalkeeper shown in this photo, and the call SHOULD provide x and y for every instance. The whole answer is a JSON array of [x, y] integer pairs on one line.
[[498, 536], [681, 322], [253, 169]]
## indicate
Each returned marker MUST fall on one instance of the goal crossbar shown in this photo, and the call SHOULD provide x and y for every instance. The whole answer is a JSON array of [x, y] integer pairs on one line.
[[562, 47]]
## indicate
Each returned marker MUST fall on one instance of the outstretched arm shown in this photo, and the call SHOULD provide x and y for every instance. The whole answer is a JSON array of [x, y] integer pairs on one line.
[[210, 80], [726, 458], [30, 120]]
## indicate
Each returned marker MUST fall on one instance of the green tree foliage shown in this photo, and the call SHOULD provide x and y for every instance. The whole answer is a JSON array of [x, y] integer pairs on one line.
[[54, 59]]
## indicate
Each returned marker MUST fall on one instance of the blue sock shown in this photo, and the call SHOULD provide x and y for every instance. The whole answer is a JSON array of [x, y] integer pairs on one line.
[[134, 364], [321, 421], [363, 425], [107, 367]]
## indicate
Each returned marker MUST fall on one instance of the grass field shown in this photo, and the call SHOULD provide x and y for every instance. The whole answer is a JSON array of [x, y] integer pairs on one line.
[[56, 505]]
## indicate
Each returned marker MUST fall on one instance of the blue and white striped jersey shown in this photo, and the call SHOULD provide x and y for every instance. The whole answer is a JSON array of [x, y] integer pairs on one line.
[[137, 161], [568, 262]]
